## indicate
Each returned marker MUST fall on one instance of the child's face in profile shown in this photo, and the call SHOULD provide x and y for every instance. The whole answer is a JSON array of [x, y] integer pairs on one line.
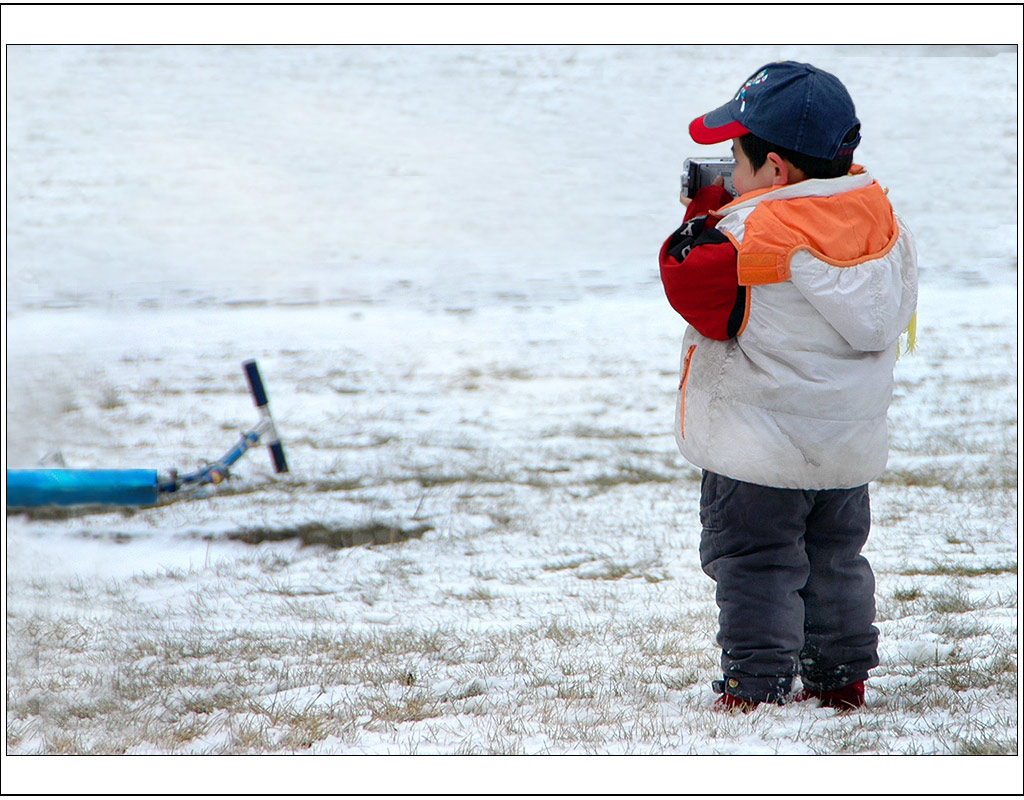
[[744, 177]]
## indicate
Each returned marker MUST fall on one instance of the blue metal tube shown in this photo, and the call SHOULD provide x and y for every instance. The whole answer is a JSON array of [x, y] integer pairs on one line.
[[30, 488]]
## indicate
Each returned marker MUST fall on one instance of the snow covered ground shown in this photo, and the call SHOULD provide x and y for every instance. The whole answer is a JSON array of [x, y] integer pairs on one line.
[[444, 261]]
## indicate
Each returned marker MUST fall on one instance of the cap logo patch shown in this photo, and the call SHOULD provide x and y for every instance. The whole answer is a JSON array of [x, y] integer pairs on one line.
[[741, 95]]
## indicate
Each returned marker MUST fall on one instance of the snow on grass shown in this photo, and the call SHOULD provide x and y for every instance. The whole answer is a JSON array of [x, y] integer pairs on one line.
[[537, 589]]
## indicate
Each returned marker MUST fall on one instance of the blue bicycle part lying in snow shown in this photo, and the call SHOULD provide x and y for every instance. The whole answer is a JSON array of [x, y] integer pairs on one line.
[[32, 488]]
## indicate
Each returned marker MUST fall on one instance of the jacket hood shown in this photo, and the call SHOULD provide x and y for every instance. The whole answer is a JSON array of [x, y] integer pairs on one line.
[[857, 178], [834, 240]]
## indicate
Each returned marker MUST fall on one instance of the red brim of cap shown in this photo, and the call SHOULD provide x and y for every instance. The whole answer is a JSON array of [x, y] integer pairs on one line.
[[702, 134]]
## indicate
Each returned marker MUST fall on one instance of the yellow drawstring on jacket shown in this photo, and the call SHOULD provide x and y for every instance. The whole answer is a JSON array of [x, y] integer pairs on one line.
[[911, 332]]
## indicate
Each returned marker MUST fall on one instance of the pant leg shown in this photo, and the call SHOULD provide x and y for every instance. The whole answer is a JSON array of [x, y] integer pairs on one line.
[[752, 546], [840, 641]]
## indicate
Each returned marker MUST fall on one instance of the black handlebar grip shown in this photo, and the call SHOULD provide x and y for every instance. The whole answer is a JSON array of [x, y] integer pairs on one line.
[[277, 454], [259, 394]]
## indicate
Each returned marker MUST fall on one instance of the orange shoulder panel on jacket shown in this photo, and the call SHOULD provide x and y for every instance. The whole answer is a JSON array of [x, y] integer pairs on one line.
[[843, 230]]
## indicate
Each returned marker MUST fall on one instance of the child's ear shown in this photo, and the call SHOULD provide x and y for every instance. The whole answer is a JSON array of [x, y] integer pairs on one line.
[[780, 169]]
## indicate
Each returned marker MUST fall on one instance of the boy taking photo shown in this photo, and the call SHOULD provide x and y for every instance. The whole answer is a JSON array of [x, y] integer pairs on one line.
[[796, 292]]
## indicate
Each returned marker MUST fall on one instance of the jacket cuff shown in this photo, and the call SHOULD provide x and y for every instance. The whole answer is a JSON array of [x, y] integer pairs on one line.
[[707, 199]]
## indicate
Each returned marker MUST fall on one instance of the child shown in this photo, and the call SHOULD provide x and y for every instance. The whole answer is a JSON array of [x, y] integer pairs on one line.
[[796, 293]]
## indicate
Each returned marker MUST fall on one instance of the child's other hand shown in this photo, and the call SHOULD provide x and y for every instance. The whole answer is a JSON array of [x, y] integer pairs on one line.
[[718, 181]]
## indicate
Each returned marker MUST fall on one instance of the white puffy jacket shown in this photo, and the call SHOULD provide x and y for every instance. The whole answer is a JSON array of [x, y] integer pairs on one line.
[[798, 399]]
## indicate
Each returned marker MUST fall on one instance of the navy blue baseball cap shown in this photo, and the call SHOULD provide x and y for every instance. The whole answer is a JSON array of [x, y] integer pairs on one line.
[[792, 105]]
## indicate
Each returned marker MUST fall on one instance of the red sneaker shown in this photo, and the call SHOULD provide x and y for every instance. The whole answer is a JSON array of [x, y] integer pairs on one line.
[[844, 699], [732, 704]]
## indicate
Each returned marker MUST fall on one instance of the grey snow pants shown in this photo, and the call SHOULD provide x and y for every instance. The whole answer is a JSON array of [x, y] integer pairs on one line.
[[794, 594]]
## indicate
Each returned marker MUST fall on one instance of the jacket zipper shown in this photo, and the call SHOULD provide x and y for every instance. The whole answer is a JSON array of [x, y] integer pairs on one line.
[[682, 390]]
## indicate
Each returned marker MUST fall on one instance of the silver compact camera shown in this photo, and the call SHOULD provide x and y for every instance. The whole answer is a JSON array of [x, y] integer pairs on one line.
[[700, 172]]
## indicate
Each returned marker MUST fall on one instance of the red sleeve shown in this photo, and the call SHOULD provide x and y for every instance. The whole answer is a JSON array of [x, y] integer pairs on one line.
[[700, 280], [707, 199]]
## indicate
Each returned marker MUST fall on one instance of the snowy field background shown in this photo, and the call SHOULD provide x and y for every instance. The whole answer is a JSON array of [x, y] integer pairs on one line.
[[444, 261]]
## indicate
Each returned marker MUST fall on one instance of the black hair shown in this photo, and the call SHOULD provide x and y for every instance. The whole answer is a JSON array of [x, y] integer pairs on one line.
[[757, 150]]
